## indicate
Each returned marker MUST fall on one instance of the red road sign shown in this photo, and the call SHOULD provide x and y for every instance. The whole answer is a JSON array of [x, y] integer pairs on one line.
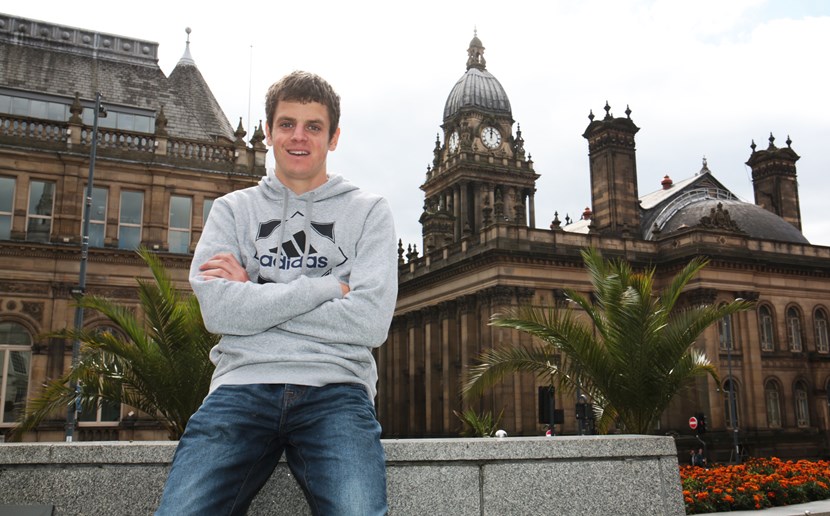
[[692, 423]]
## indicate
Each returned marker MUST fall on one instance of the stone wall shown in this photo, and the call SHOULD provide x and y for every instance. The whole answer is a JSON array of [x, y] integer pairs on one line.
[[589, 475]]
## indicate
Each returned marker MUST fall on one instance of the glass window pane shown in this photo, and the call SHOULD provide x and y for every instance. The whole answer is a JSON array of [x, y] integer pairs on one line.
[[37, 109], [40, 198], [131, 207], [20, 106], [206, 210], [180, 212], [99, 204], [6, 194], [57, 111], [125, 121], [17, 384], [5, 227], [13, 334], [5, 104], [129, 237], [178, 241], [96, 234], [142, 124], [110, 411]]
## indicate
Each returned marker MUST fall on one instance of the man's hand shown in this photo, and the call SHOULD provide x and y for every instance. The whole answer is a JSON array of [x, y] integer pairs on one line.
[[345, 288], [224, 265]]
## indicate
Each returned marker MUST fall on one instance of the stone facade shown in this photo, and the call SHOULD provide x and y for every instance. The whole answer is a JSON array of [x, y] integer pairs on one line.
[[184, 151], [777, 356]]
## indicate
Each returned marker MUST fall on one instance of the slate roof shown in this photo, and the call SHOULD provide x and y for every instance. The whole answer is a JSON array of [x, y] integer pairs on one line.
[[59, 60]]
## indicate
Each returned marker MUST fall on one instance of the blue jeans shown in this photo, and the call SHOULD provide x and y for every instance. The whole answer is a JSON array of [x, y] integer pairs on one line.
[[330, 436]]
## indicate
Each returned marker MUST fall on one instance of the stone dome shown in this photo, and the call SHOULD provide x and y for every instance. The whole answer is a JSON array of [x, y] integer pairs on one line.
[[477, 88], [752, 219]]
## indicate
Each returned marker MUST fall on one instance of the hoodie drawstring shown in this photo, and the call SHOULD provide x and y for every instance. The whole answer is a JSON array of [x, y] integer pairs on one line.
[[282, 231], [309, 204]]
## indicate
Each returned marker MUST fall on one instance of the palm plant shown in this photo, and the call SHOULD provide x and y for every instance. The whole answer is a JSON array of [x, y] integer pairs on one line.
[[158, 364], [478, 425], [630, 350]]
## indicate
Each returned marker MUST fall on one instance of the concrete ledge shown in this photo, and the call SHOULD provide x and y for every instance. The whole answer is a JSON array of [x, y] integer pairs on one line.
[[620, 474]]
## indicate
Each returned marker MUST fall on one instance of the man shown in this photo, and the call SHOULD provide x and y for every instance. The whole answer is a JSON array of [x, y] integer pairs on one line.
[[299, 276]]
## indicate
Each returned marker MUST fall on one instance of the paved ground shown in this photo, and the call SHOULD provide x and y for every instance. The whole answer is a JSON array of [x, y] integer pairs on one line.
[[820, 508]]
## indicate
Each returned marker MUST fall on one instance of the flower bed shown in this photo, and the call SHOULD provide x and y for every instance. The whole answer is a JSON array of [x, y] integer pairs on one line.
[[755, 484]]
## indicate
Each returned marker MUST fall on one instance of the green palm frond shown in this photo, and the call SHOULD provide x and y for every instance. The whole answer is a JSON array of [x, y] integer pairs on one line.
[[628, 347], [158, 364]]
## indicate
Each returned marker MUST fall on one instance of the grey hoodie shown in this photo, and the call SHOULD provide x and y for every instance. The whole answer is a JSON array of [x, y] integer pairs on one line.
[[291, 323]]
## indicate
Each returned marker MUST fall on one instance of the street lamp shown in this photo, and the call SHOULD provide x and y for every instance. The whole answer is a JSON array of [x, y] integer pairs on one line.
[[80, 290]]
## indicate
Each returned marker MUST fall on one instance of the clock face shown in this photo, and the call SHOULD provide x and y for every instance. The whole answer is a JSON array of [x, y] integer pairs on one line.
[[491, 137], [453, 141]]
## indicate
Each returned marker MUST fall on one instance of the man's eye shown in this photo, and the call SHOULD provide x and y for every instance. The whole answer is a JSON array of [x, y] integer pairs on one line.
[[314, 128], [286, 125]]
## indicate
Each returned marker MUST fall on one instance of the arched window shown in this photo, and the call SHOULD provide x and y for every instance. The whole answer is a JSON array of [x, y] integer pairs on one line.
[[822, 343], [772, 395], [16, 361], [731, 404], [802, 405], [725, 333], [794, 329], [766, 329]]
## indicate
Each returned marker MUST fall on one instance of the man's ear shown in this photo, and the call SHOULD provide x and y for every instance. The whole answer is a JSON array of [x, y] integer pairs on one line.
[[333, 140], [268, 134]]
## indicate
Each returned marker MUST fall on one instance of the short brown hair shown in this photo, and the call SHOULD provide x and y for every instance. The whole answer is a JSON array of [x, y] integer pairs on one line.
[[303, 87]]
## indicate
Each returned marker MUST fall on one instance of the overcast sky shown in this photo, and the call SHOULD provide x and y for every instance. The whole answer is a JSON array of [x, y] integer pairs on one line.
[[702, 78]]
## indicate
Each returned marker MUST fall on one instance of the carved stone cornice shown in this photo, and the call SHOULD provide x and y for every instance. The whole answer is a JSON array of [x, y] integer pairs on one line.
[[24, 287], [699, 296]]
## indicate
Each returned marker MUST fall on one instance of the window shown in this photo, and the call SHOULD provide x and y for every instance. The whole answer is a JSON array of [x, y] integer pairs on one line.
[[206, 211], [794, 329], [6, 207], [766, 329], [822, 343], [129, 220], [802, 408], [97, 217], [731, 405], [725, 333], [39, 219], [120, 120], [107, 411], [35, 108], [772, 395], [15, 361], [178, 231]]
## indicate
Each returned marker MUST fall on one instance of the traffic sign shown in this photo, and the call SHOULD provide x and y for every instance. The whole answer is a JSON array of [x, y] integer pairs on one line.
[[692, 423]]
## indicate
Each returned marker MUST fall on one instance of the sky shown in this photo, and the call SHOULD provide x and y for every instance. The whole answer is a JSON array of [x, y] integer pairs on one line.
[[702, 79]]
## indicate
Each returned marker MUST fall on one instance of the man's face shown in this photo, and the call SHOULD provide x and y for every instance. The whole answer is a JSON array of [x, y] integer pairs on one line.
[[300, 138]]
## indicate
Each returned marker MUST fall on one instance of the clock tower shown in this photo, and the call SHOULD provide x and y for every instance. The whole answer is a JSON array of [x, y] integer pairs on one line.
[[481, 175]]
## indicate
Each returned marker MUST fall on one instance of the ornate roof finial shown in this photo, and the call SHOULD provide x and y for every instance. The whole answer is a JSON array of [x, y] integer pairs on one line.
[[771, 142], [628, 111], [753, 146], [789, 142], [705, 168], [591, 115], [187, 59], [607, 109], [475, 53]]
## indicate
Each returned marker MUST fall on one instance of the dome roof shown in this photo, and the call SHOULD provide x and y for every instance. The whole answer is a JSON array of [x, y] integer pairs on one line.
[[752, 219], [477, 88]]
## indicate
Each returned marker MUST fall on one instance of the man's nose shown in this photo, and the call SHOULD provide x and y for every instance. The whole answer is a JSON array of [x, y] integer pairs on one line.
[[298, 133]]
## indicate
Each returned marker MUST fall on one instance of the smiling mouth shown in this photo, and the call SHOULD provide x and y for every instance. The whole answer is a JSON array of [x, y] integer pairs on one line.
[[298, 153]]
